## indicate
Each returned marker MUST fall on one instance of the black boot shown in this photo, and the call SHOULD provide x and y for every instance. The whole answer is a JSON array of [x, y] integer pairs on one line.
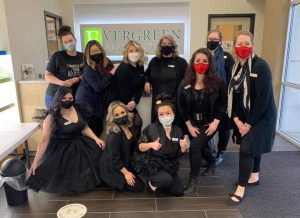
[[192, 186]]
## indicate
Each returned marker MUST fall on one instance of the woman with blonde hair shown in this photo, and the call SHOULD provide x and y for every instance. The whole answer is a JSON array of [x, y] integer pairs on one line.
[[98, 74], [165, 72], [121, 141], [130, 78]]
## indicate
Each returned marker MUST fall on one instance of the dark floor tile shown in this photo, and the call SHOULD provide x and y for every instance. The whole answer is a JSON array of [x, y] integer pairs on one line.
[[210, 181], [126, 194], [33, 207], [215, 191], [193, 203], [98, 194], [223, 214], [41, 215], [175, 214], [118, 205]]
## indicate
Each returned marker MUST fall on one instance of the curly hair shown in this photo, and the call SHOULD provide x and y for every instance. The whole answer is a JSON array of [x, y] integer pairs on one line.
[[65, 30], [211, 79], [111, 126]]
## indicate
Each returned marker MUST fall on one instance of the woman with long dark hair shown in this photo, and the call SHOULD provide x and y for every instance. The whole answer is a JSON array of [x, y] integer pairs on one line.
[[68, 155], [202, 101], [98, 74]]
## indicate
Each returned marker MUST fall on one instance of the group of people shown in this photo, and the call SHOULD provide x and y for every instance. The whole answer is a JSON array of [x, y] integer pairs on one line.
[[212, 93]]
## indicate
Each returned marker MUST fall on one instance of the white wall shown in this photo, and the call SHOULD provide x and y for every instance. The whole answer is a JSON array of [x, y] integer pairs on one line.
[[26, 31], [4, 42]]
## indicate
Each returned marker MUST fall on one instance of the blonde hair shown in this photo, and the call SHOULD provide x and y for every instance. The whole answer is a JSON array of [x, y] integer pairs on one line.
[[111, 126], [87, 56], [242, 32], [136, 45], [175, 46]]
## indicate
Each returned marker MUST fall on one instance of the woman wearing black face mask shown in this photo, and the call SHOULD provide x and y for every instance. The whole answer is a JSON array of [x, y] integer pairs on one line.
[[68, 156], [121, 141], [165, 72], [98, 74]]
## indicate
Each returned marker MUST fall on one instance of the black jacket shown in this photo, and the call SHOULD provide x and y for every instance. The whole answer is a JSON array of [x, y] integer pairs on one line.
[[116, 155], [218, 101], [262, 114]]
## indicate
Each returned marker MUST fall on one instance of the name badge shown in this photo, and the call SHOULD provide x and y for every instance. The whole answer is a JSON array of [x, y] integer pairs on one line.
[[188, 86], [67, 123], [171, 65], [175, 139], [253, 75]]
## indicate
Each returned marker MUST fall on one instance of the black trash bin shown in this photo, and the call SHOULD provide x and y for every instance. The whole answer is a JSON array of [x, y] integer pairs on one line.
[[15, 169]]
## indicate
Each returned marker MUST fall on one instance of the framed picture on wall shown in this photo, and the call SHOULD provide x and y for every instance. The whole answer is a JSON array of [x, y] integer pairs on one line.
[[229, 24], [28, 72]]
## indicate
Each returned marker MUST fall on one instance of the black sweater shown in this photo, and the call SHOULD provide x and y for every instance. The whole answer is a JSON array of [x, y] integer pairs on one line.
[[130, 83]]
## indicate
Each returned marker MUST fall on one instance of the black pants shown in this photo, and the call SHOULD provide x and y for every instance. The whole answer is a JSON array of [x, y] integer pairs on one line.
[[139, 185], [169, 184], [199, 148], [96, 124], [247, 163], [224, 134]]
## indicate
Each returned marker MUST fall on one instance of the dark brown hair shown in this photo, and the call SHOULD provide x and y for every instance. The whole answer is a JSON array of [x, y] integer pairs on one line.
[[211, 79], [164, 100], [65, 30]]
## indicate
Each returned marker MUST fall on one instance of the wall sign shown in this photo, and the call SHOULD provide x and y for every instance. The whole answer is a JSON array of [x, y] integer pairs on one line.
[[113, 37]]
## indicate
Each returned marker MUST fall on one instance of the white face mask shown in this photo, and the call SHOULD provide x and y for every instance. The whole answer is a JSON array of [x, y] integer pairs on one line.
[[166, 121], [134, 57]]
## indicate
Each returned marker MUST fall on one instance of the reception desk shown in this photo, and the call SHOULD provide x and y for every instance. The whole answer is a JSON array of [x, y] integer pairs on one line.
[[32, 96]]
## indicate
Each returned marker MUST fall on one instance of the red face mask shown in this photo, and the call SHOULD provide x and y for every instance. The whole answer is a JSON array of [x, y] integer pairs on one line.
[[243, 51], [201, 68]]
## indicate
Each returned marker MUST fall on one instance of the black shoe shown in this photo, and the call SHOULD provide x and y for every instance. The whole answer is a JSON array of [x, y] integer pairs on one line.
[[192, 186], [232, 202], [210, 170], [253, 183]]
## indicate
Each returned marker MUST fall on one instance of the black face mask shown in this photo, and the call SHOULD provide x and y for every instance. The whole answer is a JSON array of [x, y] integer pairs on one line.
[[97, 57], [212, 45], [166, 50], [122, 120], [67, 104]]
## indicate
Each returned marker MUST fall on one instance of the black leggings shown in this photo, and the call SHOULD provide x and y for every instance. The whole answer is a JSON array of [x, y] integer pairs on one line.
[[224, 134], [139, 185], [199, 147], [169, 184], [247, 163]]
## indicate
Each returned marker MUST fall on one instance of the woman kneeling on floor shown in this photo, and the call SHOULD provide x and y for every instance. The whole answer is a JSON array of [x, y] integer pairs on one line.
[[121, 141], [160, 146]]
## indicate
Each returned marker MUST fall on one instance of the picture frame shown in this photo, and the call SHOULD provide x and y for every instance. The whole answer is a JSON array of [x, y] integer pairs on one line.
[[229, 24], [28, 72]]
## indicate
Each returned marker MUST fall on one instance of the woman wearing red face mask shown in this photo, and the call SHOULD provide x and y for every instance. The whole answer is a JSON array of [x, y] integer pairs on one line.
[[252, 107], [202, 102]]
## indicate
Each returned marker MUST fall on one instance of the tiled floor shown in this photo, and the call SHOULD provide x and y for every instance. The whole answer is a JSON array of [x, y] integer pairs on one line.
[[209, 201]]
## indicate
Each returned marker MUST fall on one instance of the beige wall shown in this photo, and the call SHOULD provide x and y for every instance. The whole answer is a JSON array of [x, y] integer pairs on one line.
[[274, 39], [201, 9], [26, 31], [4, 42]]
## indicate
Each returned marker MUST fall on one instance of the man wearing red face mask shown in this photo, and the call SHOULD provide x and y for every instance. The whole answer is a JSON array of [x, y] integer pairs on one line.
[[202, 102], [252, 107]]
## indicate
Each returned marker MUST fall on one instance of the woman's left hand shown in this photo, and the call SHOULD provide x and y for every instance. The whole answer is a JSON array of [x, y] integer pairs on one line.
[[212, 127], [184, 144], [100, 143]]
